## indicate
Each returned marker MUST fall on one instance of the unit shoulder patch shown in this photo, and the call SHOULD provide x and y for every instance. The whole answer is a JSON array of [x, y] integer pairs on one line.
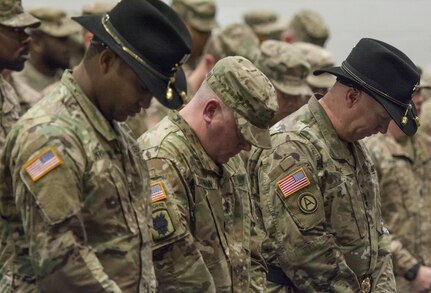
[[293, 182], [307, 203], [42, 164], [157, 191], [162, 222]]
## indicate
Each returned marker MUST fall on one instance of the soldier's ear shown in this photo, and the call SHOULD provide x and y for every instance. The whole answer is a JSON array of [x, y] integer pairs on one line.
[[210, 110], [352, 96], [106, 60]]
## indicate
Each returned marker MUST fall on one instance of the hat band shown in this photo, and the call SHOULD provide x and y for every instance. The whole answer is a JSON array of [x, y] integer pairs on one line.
[[370, 87], [109, 28]]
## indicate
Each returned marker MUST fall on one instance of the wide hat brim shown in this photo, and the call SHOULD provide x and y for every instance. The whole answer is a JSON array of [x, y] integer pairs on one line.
[[395, 111], [157, 85]]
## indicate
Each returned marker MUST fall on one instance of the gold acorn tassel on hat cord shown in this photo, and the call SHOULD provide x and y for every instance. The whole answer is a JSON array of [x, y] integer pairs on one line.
[[169, 91], [405, 119]]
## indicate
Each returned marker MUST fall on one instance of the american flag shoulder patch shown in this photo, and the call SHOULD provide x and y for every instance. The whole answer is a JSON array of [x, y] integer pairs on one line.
[[157, 191], [293, 182], [42, 164]]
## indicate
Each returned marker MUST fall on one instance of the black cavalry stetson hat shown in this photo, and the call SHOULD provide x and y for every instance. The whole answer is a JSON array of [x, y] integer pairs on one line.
[[150, 37], [386, 74]]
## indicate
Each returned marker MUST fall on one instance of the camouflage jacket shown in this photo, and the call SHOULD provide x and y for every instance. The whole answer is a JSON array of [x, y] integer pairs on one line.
[[26, 95], [35, 79], [10, 109], [405, 186], [74, 200], [202, 213], [320, 205]]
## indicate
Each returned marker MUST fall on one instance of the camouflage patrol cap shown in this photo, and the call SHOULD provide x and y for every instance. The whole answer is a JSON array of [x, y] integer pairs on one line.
[[310, 27], [98, 8], [199, 14], [258, 17], [318, 57], [270, 31], [285, 66], [249, 93], [54, 22], [234, 40], [12, 14]]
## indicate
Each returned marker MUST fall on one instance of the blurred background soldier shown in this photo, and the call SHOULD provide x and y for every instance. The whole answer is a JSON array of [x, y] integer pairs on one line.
[[50, 49], [318, 57], [200, 18], [306, 26], [97, 8], [404, 166], [233, 40], [264, 24], [254, 17], [287, 68], [15, 49], [202, 211]]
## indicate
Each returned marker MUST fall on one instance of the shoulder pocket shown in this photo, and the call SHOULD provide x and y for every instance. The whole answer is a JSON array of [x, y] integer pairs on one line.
[[298, 191]]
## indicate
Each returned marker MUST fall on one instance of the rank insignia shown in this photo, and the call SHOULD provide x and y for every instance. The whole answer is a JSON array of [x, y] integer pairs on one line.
[[42, 164], [157, 191], [293, 182]]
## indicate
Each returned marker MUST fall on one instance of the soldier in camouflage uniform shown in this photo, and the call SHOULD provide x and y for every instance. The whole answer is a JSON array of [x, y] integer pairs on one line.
[[306, 26], [200, 18], [404, 165], [287, 68], [74, 194], [14, 52], [317, 187], [233, 40], [50, 49], [26, 95], [318, 57], [202, 211]]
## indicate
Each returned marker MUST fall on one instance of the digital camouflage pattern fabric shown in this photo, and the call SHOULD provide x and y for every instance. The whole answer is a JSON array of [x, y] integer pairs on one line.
[[26, 96], [200, 14], [35, 79], [10, 109], [320, 205], [403, 170], [202, 214], [236, 39], [74, 201], [286, 67]]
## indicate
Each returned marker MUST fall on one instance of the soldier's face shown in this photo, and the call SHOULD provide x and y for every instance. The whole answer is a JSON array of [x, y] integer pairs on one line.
[[226, 139], [14, 49], [368, 117], [54, 51], [123, 94]]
